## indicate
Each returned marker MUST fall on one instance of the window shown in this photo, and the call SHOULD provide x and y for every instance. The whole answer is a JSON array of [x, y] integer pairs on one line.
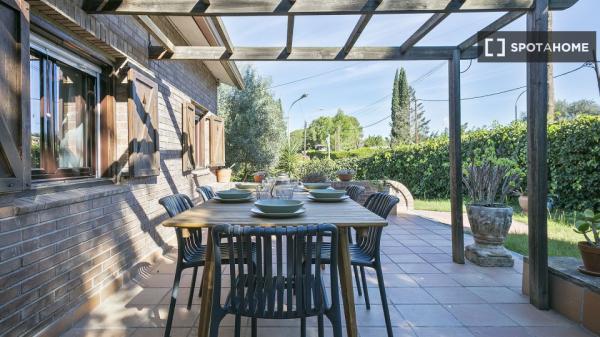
[[63, 117], [203, 138]]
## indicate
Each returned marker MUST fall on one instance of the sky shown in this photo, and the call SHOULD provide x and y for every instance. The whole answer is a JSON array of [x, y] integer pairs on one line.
[[363, 89]]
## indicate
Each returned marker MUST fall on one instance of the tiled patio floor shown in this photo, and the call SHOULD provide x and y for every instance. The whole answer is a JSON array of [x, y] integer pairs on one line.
[[428, 295]]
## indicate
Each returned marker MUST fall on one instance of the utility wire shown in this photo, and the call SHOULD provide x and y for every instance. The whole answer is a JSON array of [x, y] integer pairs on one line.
[[311, 76], [586, 64]]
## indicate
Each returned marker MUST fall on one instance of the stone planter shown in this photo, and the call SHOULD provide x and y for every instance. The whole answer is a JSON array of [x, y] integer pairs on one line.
[[591, 258], [523, 203], [490, 227], [345, 176], [259, 177], [224, 175]]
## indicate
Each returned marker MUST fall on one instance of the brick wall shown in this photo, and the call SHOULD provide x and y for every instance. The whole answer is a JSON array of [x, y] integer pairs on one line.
[[63, 252]]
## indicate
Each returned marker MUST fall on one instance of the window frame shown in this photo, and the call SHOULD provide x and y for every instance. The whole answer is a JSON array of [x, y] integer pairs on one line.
[[49, 51]]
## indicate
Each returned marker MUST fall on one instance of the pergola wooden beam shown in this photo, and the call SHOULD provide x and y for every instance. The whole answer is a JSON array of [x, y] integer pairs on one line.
[[156, 32], [495, 26], [358, 29], [290, 34], [308, 7], [537, 165], [430, 24], [306, 53], [222, 32]]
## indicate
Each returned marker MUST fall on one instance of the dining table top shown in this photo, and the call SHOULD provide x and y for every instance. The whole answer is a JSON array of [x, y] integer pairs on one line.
[[347, 213]]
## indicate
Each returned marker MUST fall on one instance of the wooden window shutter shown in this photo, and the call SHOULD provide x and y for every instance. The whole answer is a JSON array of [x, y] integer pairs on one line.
[[217, 141], [203, 141], [15, 171], [144, 151], [188, 141]]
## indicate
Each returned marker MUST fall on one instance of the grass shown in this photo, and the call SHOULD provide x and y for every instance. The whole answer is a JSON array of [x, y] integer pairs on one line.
[[562, 241]]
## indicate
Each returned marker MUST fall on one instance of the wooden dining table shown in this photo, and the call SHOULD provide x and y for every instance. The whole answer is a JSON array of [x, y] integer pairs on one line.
[[343, 215]]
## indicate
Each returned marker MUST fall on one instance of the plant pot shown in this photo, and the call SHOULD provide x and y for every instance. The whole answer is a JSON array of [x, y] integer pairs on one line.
[[258, 178], [224, 175], [489, 225], [523, 203], [590, 256], [345, 177]]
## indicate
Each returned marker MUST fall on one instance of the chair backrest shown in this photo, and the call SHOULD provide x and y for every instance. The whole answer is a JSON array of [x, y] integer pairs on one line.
[[188, 240], [355, 191], [380, 204], [206, 192], [283, 283]]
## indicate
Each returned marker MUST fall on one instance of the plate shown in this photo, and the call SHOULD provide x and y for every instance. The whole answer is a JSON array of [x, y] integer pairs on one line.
[[585, 271], [233, 194], [261, 214], [233, 201], [328, 199], [327, 193], [278, 206], [247, 186], [316, 186]]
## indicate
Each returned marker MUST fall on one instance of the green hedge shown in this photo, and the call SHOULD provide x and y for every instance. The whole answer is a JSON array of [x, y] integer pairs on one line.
[[573, 152]]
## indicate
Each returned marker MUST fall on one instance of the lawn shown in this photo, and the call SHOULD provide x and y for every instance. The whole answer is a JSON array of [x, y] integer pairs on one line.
[[562, 241]]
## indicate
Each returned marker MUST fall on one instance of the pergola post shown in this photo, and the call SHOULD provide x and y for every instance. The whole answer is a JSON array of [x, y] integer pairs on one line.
[[537, 166], [458, 242]]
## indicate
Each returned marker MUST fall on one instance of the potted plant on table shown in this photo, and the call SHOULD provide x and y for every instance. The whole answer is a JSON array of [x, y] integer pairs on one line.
[[488, 186], [345, 174], [259, 176], [590, 248]]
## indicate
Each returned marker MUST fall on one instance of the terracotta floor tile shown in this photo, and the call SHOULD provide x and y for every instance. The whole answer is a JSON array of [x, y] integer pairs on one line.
[[500, 332], [479, 315], [442, 332], [409, 296], [427, 315], [434, 280], [498, 295], [418, 268], [528, 315], [453, 295]]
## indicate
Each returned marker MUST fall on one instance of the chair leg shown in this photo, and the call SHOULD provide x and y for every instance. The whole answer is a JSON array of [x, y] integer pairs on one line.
[[365, 288], [384, 303], [201, 286], [357, 279], [302, 327], [321, 330], [215, 321], [238, 323], [254, 327], [174, 292], [193, 285], [336, 321]]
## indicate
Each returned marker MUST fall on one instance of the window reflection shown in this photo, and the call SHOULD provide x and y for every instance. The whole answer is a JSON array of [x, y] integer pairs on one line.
[[63, 102]]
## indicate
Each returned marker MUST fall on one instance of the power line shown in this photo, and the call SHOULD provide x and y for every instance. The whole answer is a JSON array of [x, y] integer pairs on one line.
[[311, 76], [586, 64]]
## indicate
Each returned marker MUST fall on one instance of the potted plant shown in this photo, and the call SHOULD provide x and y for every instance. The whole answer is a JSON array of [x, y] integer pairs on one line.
[[259, 176], [345, 174], [523, 201], [590, 248], [488, 186]]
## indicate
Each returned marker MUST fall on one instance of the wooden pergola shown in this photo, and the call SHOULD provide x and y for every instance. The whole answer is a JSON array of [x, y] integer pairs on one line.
[[537, 76]]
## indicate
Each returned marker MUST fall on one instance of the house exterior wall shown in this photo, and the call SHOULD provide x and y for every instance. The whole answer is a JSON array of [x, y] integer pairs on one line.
[[63, 250]]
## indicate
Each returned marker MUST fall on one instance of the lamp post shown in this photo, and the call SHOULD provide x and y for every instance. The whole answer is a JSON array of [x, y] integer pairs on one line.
[[517, 101], [303, 96]]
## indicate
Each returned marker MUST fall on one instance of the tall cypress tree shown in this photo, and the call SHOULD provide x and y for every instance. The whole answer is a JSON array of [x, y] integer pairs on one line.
[[419, 124], [395, 131]]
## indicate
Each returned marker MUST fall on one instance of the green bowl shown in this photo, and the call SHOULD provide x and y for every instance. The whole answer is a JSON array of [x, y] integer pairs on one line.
[[246, 186], [327, 193], [278, 205], [316, 186], [233, 194]]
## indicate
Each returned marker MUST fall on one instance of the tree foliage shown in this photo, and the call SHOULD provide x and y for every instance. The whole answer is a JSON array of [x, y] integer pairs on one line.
[[375, 141], [254, 124], [344, 130], [400, 131], [419, 124], [564, 110]]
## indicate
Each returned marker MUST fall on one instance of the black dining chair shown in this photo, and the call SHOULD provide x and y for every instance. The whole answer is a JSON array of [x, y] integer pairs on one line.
[[281, 285], [206, 192], [355, 192], [366, 252], [191, 253]]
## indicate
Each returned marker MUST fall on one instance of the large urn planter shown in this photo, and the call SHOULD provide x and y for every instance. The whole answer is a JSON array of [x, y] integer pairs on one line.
[[489, 225], [523, 203], [591, 258]]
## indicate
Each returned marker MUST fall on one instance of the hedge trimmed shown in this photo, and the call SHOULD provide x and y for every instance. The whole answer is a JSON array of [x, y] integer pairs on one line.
[[573, 152]]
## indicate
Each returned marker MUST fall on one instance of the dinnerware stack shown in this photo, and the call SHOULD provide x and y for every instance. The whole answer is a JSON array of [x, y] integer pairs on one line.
[[327, 195], [278, 208], [233, 196]]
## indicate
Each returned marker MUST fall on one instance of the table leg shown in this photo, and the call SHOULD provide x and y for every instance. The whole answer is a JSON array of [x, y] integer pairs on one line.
[[207, 289], [345, 270]]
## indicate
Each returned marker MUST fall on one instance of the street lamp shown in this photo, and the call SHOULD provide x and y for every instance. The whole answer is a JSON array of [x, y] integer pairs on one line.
[[288, 118], [517, 101]]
